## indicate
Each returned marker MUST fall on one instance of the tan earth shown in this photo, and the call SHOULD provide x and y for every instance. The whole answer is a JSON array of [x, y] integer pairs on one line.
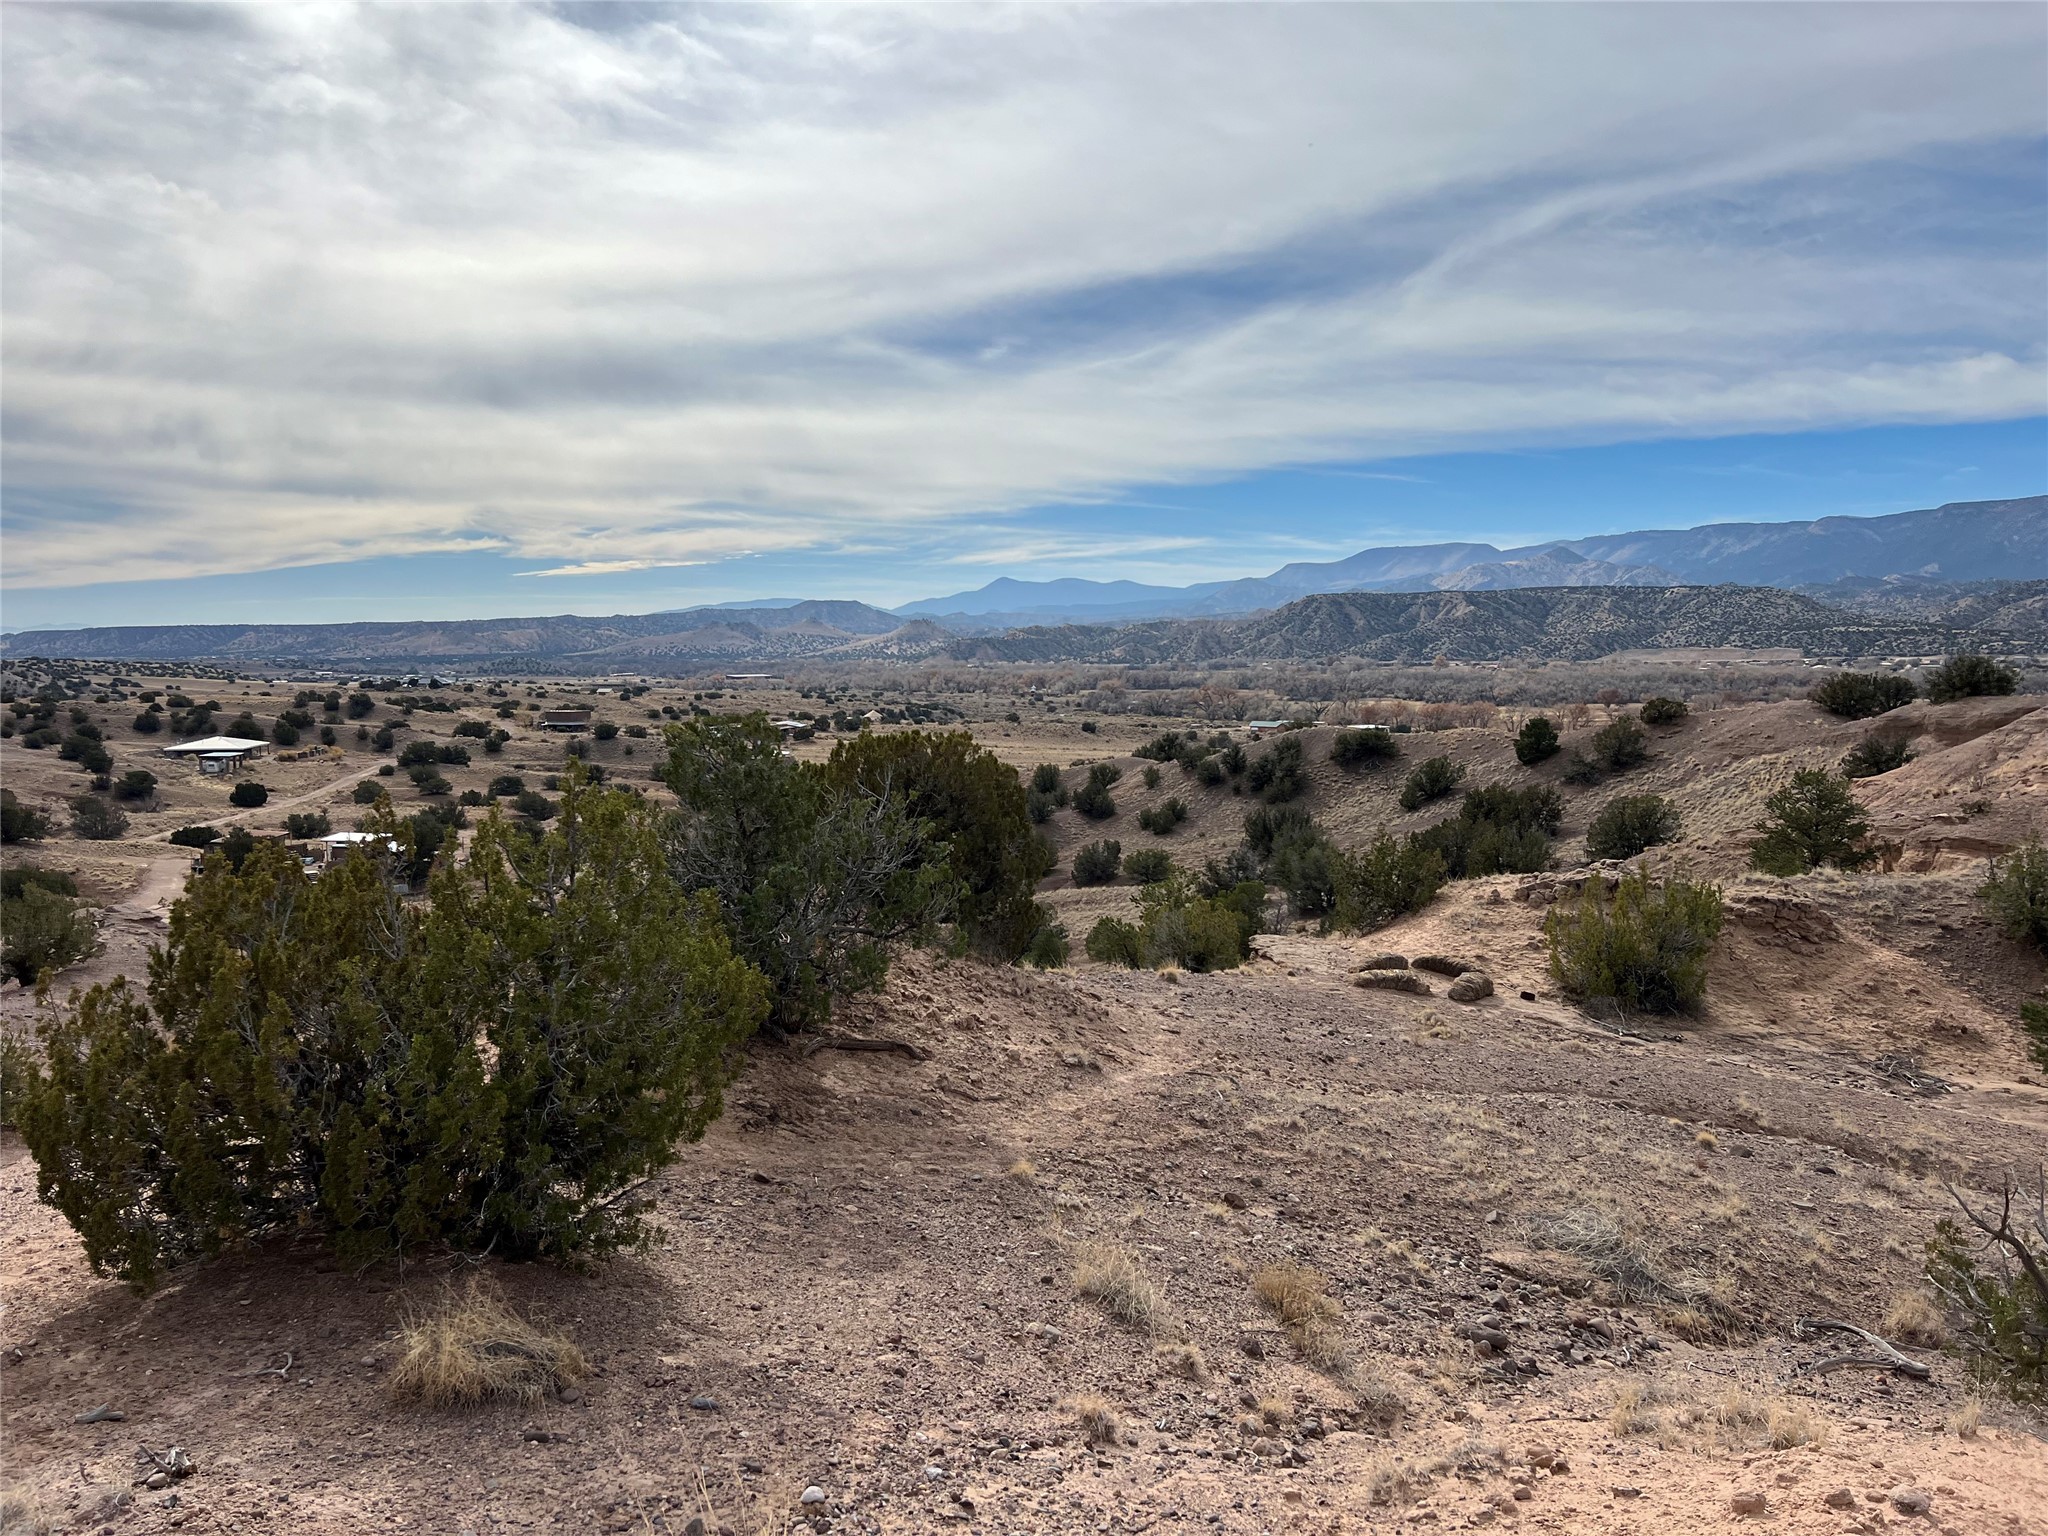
[[1566, 1259]]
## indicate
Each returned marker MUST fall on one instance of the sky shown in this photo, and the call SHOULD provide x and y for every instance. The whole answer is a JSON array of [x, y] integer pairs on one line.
[[401, 311]]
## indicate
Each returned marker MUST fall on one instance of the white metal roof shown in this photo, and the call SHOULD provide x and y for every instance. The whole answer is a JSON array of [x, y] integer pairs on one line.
[[229, 744]]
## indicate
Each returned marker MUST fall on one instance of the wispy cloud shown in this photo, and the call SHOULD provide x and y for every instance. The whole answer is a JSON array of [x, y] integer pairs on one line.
[[291, 284]]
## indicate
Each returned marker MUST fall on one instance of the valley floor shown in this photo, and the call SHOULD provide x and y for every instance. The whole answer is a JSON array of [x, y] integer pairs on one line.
[[866, 1282]]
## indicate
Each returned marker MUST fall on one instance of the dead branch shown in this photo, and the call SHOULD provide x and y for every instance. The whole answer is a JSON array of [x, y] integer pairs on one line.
[[1887, 1358], [860, 1043]]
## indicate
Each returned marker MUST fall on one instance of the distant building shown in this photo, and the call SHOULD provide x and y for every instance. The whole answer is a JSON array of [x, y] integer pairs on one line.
[[565, 719], [217, 754]]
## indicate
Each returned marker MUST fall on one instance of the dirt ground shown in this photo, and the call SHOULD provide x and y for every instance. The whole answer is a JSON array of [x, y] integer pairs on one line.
[[866, 1282]]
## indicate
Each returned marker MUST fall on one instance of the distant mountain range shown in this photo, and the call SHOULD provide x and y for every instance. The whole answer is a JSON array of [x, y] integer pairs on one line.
[[1908, 584], [1959, 542], [1531, 624]]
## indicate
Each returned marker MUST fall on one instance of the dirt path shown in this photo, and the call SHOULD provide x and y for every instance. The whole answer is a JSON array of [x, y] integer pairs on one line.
[[292, 802]]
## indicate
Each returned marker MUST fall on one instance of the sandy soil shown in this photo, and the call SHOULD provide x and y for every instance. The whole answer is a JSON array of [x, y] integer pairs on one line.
[[867, 1267]]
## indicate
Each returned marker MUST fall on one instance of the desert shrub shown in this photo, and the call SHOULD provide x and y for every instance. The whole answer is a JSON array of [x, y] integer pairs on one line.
[[86, 751], [978, 831], [1048, 948], [194, 837], [1580, 769], [1045, 778], [1383, 881], [1303, 865], [1628, 824], [97, 819], [1162, 818], [248, 795], [1039, 807], [1536, 742], [1148, 865], [430, 781], [816, 873], [1812, 821], [1361, 746], [1618, 745], [1267, 826], [43, 927], [1197, 933], [1431, 779], [1497, 831], [1093, 799], [359, 705], [2034, 1024], [20, 823], [1231, 759], [1209, 770], [19, 877], [148, 724], [367, 792], [1088, 727], [1151, 775], [284, 733], [506, 785], [1969, 677], [2017, 894], [305, 824], [135, 784], [494, 1069], [1645, 950], [1097, 863], [1163, 748], [605, 730], [1280, 774], [1879, 752], [534, 805], [1235, 868], [1859, 695], [1662, 711], [1112, 941], [1992, 1270]]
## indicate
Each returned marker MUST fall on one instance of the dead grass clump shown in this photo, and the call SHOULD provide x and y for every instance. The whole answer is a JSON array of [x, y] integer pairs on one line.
[[19, 1514], [1094, 1417], [1636, 1409], [1707, 1139], [1913, 1319], [1183, 1360], [1023, 1170], [1110, 1274], [1393, 1482], [1967, 1418], [1375, 1398], [1296, 1295], [1615, 1250], [474, 1349]]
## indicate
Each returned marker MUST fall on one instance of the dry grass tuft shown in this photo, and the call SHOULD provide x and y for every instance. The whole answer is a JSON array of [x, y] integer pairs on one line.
[[1110, 1274], [1615, 1250], [1094, 1417], [474, 1349], [1707, 1139], [20, 1516], [1276, 1410], [1393, 1482], [1023, 1170], [1913, 1319], [1296, 1295], [1967, 1418], [1737, 1419], [1183, 1360]]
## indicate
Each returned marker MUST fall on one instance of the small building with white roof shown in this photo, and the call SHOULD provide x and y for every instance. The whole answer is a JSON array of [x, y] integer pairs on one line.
[[217, 754]]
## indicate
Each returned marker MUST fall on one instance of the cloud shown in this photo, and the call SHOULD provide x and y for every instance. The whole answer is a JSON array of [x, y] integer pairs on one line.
[[631, 286]]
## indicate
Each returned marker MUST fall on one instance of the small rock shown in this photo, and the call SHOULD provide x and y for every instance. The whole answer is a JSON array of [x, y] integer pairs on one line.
[[1911, 1501], [704, 1404], [1253, 1344], [1841, 1498], [1266, 1448], [104, 1414], [812, 1495], [1748, 1502], [1393, 981], [1470, 987], [571, 1394], [157, 1480], [1387, 962], [1625, 1491], [1526, 996], [1522, 1491]]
